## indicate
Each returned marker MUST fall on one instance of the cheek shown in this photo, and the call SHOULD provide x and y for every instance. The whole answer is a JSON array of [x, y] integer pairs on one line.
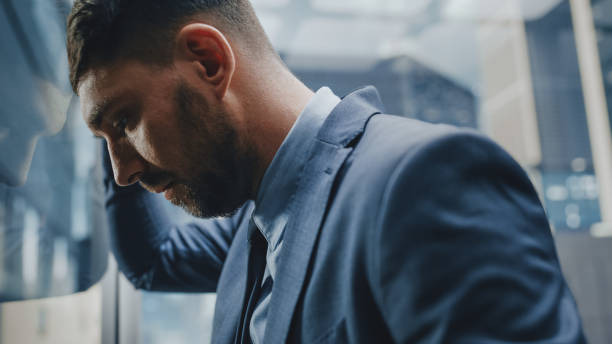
[[157, 143]]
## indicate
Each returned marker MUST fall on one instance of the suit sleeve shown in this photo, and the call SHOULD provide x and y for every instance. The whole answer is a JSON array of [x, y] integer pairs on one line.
[[156, 252], [463, 252]]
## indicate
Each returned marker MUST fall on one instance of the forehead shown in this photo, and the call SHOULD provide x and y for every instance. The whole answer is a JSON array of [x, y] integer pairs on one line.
[[103, 82], [128, 79]]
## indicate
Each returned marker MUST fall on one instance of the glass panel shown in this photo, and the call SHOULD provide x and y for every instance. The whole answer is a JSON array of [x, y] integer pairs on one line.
[[52, 240], [176, 318], [602, 15], [567, 162], [74, 319]]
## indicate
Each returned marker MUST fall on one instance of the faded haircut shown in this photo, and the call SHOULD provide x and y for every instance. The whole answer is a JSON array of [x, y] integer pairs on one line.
[[100, 32]]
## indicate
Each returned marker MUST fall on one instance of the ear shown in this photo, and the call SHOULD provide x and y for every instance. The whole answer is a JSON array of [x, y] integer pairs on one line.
[[211, 53]]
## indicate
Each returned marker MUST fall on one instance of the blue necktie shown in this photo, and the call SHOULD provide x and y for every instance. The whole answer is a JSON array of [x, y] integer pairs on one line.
[[256, 268]]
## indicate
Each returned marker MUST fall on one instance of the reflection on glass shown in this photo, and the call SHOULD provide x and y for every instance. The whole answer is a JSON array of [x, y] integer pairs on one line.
[[33, 91], [51, 236]]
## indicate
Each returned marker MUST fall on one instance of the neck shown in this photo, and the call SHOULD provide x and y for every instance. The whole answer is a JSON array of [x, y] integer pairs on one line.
[[275, 100]]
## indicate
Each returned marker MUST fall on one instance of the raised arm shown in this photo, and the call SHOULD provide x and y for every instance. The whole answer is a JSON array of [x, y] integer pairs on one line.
[[154, 250]]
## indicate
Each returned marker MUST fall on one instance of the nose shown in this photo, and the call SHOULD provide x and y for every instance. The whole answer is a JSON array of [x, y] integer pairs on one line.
[[127, 164]]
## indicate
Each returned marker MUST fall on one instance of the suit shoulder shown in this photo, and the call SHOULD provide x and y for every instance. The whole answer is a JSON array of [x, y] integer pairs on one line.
[[388, 140], [400, 153]]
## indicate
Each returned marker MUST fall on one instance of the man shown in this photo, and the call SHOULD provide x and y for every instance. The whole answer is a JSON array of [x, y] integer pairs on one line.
[[342, 224]]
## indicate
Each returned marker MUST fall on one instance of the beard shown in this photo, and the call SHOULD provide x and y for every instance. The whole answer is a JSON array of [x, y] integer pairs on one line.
[[219, 165]]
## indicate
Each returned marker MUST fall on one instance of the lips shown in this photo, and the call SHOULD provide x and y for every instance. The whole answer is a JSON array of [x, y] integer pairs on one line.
[[158, 190], [168, 191], [167, 187]]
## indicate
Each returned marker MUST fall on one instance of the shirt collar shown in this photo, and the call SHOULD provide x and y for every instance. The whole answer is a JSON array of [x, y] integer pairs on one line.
[[279, 183]]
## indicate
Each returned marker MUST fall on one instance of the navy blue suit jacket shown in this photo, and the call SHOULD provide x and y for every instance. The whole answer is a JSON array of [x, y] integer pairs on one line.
[[402, 232]]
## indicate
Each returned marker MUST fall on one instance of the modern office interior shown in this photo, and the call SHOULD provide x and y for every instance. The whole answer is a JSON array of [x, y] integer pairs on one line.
[[535, 76]]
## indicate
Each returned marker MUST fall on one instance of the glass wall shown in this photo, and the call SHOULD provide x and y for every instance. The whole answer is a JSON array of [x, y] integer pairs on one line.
[[52, 237], [509, 68], [74, 319], [51, 215], [173, 317], [569, 185], [602, 17], [176, 318]]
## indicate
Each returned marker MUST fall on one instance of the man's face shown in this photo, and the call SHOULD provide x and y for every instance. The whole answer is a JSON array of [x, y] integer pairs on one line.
[[169, 136]]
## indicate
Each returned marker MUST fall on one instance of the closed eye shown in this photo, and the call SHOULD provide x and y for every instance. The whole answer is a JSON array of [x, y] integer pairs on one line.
[[121, 123]]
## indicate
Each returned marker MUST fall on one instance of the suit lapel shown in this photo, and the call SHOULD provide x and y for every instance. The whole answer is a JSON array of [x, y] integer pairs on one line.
[[346, 122]]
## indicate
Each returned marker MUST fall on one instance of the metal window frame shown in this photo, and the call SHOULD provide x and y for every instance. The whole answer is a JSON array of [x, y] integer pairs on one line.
[[121, 308]]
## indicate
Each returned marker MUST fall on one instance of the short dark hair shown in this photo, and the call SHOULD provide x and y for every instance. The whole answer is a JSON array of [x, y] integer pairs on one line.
[[101, 31]]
